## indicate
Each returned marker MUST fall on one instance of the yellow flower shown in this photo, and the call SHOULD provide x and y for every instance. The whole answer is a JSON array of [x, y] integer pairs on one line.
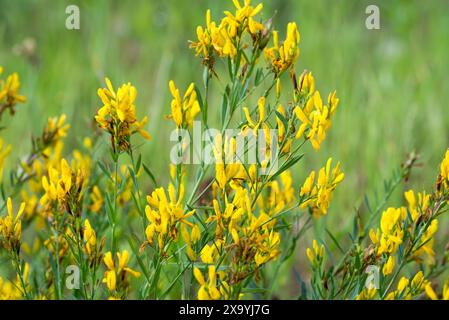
[[228, 167], [63, 187], [390, 235], [118, 114], [183, 111], [163, 214], [97, 199], [281, 57], [430, 292], [11, 228], [315, 256], [319, 195], [260, 123], [209, 290], [4, 153], [115, 275], [443, 183], [9, 93], [213, 39], [417, 206], [14, 290], [388, 266], [367, 294], [316, 117], [90, 239], [243, 19]]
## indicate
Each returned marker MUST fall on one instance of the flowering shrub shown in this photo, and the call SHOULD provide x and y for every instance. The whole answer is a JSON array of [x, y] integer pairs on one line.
[[226, 232]]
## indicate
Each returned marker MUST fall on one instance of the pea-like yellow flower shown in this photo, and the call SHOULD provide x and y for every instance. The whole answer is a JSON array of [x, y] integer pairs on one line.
[[318, 196], [4, 153], [190, 239], [63, 187], [443, 181], [13, 290], [243, 19], [417, 207], [389, 237], [11, 228], [118, 115], [97, 199], [9, 93], [164, 213], [213, 40], [316, 117], [90, 239], [228, 167], [388, 266], [367, 294], [211, 290], [316, 255], [115, 276], [284, 56], [183, 111]]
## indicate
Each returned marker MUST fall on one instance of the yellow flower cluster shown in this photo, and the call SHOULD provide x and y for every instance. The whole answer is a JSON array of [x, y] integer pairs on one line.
[[115, 276], [317, 255], [118, 115], [211, 290], [315, 117], [13, 290], [164, 213], [284, 56], [223, 39], [11, 228], [392, 232], [63, 188], [9, 92], [319, 194], [406, 289], [4, 153], [222, 227], [443, 181], [183, 111]]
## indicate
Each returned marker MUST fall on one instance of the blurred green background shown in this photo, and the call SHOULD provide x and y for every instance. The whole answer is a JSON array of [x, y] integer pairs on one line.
[[392, 82]]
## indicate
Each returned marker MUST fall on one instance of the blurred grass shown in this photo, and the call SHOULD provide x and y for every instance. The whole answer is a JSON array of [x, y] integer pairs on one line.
[[392, 82]]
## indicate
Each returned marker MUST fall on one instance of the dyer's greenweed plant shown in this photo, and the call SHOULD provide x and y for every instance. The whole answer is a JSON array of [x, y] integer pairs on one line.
[[224, 227]]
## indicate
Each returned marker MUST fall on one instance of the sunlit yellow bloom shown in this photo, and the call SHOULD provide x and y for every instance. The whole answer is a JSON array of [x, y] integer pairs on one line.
[[367, 294], [115, 275], [14, 290], [210, 290], [316, 117], [97, 199], [118, 114], [163, 214], [183, 111], [228, 166], [243, 18], [390, 235], [4, 153], [11, 228], [213, 40], [90, 239], [430, 292], [443, 183], [63, 187], [260, 123], [388, 266], [316, 255], [417, 207], [319, 195], [281, 57], [9, 93]]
